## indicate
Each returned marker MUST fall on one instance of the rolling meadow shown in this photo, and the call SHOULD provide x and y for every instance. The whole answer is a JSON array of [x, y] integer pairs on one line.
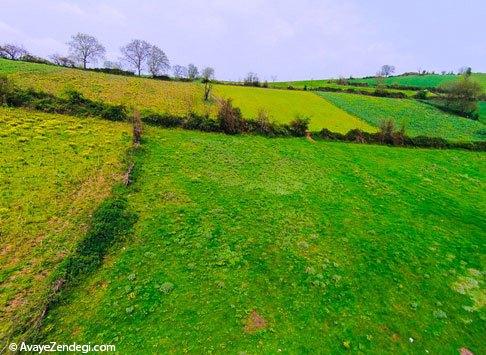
[[237, 242]]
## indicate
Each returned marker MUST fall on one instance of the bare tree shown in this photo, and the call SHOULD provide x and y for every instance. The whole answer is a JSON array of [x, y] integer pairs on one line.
[[251, 79], [157, 61], [386, 70], [61, 60], [12, 51], [273, 78], [179, 71], [85, 49], [136, 54], [207, 77], [192, 71], [207, 74]]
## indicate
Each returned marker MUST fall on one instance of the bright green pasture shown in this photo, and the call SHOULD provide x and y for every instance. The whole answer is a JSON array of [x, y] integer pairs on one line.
[[419, 118], [325, 83], [334, 246], [424, 81], [285, 105], [54, 170], [482, 111]]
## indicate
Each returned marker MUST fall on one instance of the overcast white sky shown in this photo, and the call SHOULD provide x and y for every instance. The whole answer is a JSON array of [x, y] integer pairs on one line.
[[291, 39]]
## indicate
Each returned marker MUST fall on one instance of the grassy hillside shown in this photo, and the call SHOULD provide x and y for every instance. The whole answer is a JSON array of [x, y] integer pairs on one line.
[[482, 111], [178, 98], [285, 105], [419, 118], [248, 244], [54, 171], [174, 98], [425, 81]]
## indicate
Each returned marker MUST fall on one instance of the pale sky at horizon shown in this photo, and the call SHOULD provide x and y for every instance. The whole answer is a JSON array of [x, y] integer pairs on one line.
[[306, 39]]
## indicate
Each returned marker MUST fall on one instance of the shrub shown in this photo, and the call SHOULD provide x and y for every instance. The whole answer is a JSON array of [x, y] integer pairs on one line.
[[299, 126], [327, 134], [389, 134], [427, 142], [162, 120], [262, 124], [421, 95], [114, 113], [201, 123], [462, 96], [7, 90], [356, 135], [229, 118]]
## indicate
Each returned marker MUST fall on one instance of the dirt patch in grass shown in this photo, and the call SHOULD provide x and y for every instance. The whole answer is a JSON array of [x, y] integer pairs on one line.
[[255, 322]]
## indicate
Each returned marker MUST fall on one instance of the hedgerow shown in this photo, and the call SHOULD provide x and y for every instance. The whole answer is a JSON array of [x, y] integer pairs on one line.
[[74, 103]]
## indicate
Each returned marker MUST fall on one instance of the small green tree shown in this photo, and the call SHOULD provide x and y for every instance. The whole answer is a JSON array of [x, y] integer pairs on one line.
[[461, 96]]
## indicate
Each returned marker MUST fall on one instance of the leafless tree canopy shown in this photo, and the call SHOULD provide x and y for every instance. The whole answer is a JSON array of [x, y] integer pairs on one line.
[[112, 65], [12, 51], [136, 53], [85, 49], [179, 71], [207, 74], [251, 79], [61, 60], [192, 71], [157, 61], [386, 70]]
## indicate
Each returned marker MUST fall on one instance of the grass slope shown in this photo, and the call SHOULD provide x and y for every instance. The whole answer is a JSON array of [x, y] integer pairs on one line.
[[174, 98], [419, 118], [54, 171], [424, 81], [482, 111], [285, 105], [334, 245], [179, 98]]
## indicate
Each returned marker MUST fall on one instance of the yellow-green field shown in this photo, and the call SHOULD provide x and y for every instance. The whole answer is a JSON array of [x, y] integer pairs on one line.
[[179, 98], [175, 98], [284, 105], [54, 171]]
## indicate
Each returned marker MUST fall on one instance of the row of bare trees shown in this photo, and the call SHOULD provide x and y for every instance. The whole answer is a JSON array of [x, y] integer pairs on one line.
[[138, 55]]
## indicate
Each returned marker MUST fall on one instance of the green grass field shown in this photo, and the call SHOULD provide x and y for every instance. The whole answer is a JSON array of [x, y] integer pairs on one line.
[[425, 81], [418, 118], [285, 105], [482, 111], [255, 245], [54, 171], [325, 83]]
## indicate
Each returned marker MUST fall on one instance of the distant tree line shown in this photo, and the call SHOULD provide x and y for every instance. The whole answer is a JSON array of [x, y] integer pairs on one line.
[[85, 51]]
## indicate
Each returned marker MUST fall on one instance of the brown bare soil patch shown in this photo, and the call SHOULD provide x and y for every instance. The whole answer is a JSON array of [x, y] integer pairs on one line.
[[255, 322]]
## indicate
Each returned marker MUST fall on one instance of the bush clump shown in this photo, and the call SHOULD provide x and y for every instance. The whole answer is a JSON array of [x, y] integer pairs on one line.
[[230, 119], [299, 126]]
